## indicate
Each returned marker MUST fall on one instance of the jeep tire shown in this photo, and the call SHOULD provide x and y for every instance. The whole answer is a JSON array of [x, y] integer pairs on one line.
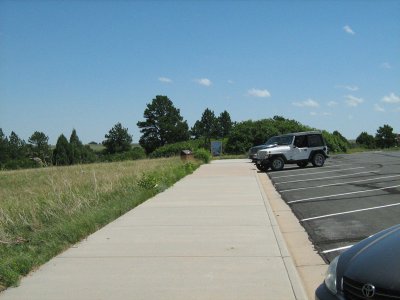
[[277, 163], [318, 160], [262, 167]]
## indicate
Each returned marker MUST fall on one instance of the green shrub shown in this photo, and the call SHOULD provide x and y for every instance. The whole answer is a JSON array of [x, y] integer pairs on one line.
[[176, 148], [137, 153], [148, 182], [24, 163], [133, 154], [366, 140], [335, 142], [203, 155], [190, 167]]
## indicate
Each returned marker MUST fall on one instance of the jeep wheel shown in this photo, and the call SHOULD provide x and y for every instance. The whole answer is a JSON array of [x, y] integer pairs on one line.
[[302, 164], [277, 164], [318, 160], [262, 168]]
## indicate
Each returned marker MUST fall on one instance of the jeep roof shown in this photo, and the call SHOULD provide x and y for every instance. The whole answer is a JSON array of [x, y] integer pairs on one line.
[[303, 133]]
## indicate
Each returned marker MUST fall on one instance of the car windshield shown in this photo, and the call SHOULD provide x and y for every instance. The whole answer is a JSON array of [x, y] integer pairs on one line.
[[280, 140]]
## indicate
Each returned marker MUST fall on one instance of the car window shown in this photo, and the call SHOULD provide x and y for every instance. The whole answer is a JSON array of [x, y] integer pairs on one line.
[[285, 140], [273, 140], [300, 141], [280, 140], [315, 140]]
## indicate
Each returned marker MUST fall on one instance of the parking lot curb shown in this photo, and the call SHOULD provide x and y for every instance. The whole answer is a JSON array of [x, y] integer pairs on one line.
[[292, 272], [306, 269]]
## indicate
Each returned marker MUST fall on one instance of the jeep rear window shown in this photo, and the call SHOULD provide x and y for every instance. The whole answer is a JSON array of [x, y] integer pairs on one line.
[[315, 140]]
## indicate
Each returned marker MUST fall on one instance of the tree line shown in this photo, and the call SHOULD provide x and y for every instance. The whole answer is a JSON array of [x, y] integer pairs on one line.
[[162, 128], [164, 125], [384, 138], [15, 153]]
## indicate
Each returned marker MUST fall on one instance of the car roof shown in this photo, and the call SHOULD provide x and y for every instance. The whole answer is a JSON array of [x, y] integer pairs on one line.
[[303, 133]]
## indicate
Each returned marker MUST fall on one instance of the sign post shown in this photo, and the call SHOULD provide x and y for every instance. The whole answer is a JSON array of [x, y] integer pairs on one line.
[[216, 148]]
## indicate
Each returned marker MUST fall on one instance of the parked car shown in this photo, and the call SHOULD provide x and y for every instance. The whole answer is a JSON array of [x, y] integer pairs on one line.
[[254, 150], [298, 148], [368, 270]]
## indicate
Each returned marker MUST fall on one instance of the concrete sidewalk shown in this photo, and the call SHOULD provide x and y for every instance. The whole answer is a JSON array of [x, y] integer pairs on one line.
[[211, 236]]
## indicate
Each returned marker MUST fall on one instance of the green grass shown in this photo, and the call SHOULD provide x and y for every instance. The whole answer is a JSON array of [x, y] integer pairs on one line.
[[362, 149], [45, 211], [100, 147]]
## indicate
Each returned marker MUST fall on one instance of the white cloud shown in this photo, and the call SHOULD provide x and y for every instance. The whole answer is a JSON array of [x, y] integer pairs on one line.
[[307, 103], [204, 81], [348, 29], [332, 103], [353, 101], [259, 93], [231, 82], [351, 88], [386, 65], [392, 98], [165, 80], [379, 108], [313, 113]]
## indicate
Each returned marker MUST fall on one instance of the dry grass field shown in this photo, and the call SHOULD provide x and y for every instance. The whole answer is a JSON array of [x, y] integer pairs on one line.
[[44, 211]]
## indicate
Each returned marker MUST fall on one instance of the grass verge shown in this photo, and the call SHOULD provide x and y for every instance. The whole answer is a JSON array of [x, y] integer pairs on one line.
[[45, 211], [362, 149]]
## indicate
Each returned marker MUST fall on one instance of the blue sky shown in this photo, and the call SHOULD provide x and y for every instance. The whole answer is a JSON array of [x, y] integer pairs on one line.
[[87, 65]]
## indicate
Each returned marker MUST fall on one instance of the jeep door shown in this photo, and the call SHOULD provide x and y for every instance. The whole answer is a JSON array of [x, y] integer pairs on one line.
[[300, 150]]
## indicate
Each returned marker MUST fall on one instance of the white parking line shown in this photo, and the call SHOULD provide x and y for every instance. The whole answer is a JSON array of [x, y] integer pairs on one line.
[[343, 194], [340, 248], [337, 249], [329, 177], [302, 169], [339, 183], [348, 212], [316, 173]]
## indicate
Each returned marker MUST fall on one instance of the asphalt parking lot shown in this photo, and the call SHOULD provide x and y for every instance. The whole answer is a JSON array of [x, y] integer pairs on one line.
[[352, 197]]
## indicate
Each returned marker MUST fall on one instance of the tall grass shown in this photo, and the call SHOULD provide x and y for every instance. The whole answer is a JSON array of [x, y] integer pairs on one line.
[[44, 211]]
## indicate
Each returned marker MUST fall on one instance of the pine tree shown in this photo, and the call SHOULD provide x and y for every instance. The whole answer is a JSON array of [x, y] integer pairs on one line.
[[224, 124], [39, 146], [385, 138], [163, 125], [117, 140], [4, 148], [76, 148], [17, 147], [62, 151], [207, 127]]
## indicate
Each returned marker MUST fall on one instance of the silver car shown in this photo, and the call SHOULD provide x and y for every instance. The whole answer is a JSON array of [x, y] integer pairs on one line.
[[253, 151]]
